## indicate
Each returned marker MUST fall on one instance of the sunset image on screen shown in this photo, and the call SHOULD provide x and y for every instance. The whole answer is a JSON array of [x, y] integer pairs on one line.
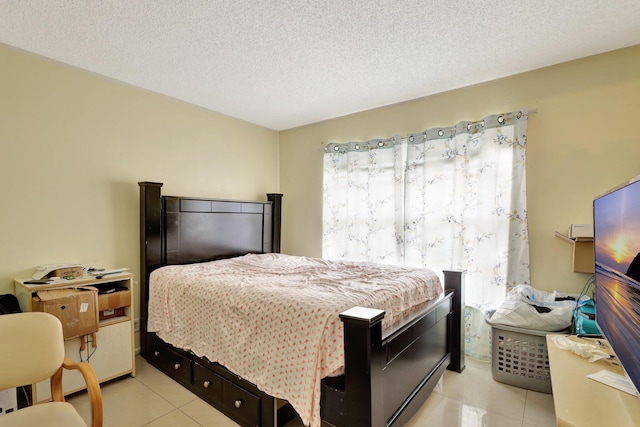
[[619, 249], [617, 242], [616, 221]]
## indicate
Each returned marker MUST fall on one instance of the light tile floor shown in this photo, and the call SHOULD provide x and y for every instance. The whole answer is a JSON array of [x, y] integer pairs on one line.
[[470, 399]]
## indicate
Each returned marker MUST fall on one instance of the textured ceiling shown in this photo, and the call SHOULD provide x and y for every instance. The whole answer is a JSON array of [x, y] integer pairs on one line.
[[282, 64]]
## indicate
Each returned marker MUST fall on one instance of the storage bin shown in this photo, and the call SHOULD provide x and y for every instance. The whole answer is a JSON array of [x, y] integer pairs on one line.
[[519, 356]]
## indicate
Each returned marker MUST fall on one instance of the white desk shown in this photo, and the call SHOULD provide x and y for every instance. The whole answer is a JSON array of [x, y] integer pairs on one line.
[[582, 402], [114, 355]]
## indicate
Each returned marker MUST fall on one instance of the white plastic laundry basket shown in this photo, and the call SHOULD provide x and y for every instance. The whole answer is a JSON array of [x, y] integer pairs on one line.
[[519, 356]]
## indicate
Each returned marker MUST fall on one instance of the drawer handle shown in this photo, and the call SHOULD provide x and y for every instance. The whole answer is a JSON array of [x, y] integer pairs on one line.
[[156, 353], [176, 366], [238, 403], [206, 384]]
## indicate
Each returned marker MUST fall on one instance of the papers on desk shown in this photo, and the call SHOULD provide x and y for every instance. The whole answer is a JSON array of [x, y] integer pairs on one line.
[[102, 272], [611, 379]]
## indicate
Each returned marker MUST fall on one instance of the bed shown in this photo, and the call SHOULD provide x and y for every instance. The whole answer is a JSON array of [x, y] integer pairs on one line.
[[386, 373]]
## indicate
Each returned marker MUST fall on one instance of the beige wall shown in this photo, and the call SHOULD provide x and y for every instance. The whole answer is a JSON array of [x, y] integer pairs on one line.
[[74, 146], [582, 141]]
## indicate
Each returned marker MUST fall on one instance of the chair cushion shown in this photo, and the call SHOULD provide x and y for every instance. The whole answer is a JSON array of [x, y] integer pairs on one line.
[[51, 414]]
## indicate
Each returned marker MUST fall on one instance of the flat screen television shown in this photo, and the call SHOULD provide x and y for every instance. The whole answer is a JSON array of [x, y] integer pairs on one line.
[[616, 222]]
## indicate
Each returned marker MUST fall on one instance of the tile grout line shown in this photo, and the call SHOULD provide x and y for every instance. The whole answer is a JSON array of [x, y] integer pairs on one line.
[[176, 408]]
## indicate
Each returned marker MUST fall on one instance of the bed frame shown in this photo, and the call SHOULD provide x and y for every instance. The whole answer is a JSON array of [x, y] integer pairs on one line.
[[388, 374]]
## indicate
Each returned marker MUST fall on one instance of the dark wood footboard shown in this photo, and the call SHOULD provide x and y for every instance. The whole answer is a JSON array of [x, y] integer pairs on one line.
[[389, 375]]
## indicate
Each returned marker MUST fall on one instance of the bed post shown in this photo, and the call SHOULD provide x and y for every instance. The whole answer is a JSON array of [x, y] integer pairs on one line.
[[150, 247], [454, 281], [276, 200], [364, 360]]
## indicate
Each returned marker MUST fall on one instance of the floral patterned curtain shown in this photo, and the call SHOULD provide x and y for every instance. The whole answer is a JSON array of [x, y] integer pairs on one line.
[[451, 197]]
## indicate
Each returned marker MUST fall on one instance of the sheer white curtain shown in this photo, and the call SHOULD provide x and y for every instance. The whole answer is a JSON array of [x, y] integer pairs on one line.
[[451, 197]]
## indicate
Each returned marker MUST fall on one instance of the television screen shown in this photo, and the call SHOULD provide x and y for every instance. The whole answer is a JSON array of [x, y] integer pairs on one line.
[[616, 221]]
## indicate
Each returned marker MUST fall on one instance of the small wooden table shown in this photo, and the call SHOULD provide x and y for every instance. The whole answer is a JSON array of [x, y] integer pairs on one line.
[[582, 402]]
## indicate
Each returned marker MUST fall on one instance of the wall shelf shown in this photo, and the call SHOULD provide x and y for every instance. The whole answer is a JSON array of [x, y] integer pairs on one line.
[[582, 253]]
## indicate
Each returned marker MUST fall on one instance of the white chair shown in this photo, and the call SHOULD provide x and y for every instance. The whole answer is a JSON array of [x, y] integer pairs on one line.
[[33, 351]]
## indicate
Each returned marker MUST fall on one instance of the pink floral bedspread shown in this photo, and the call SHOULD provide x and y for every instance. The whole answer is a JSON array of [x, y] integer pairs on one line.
[[273, 319]]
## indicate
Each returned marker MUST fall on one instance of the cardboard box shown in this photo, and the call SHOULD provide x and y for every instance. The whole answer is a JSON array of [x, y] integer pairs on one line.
[[114, 300], [110, 313], [77, 309], [73, 272], [580, 230], [113, 304]]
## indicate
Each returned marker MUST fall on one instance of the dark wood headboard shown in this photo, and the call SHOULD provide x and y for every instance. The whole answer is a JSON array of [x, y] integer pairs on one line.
[[185, 230]]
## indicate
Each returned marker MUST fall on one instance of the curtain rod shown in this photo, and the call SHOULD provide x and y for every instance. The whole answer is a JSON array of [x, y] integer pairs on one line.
[[323, 144]]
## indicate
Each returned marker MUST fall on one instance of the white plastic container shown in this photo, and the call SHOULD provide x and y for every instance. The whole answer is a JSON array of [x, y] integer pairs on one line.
[[519, 356]]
